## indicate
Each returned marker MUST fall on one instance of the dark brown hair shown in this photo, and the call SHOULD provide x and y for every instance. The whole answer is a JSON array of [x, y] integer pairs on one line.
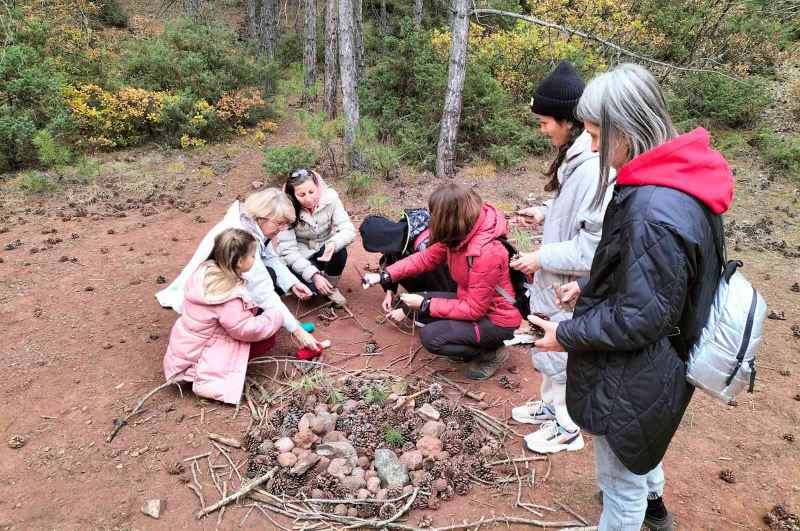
[[296, 178], [575, 130], [454, 211]]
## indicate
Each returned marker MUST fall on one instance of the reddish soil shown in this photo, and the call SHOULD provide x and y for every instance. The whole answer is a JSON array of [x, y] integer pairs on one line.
[[83, 339]]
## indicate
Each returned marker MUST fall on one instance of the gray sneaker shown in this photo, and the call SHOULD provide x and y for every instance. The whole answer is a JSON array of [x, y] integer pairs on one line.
[[483, 369]]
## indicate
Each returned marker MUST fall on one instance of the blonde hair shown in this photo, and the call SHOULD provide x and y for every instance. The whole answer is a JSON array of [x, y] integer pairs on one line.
[[230, 246], [271, 203]]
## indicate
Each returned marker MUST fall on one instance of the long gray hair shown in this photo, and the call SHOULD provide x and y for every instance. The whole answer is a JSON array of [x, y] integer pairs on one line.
[[625, 101]]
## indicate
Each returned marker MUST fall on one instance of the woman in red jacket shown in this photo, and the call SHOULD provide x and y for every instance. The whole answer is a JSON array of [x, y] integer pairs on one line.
[[472, 324]]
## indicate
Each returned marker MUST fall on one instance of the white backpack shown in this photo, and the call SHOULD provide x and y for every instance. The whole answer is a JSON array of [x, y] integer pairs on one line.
[[722, 361]]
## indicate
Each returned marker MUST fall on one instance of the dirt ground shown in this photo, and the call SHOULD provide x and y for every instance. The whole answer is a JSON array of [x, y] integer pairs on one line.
[[83, 338]]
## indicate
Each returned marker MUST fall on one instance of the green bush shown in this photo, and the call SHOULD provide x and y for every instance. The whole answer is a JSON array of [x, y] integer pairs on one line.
[[17, 130], [717, 101], [178, 119], [383, 159], [48, 152], [35, 183], [200, 55], [357, 183], [279, 162], [112, 14], [782, 154], [404, 95]]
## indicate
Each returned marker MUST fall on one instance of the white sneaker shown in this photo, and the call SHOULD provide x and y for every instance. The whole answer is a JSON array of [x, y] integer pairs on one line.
[[552, 438], [533, 412]]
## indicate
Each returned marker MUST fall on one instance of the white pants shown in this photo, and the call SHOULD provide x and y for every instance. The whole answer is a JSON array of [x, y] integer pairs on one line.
[[554, 395]]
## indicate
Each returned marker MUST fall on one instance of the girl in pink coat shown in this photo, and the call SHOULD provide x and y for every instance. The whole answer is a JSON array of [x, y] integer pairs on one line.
[[219, 329]]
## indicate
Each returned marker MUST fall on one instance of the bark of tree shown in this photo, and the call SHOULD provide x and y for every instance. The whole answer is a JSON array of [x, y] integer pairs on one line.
[[310, 50], [384, 25], [252, 18], [358, 18], [331, 64], [451, 117], [268, 28], [349, 76], [418, 13]]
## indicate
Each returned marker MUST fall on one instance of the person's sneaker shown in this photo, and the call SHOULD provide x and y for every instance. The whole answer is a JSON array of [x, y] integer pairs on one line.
[[656, 518], [533, 412], [552, 438], [484, 369]]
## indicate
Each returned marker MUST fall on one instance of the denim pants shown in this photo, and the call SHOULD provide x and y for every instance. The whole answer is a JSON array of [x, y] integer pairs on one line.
[[624, 493]]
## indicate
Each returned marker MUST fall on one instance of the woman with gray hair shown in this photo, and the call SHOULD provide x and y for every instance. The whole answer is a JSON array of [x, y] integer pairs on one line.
[[263, 214], [648, 294]]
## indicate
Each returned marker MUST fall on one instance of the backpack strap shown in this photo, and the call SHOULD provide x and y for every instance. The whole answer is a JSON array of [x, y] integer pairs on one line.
[[503, 293]]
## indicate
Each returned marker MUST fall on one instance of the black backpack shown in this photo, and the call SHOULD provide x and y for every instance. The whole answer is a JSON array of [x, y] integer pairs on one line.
[[521, 282]]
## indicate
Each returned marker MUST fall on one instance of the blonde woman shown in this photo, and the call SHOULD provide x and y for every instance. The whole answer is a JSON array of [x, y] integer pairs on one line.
[[221, 327], [263, 214]]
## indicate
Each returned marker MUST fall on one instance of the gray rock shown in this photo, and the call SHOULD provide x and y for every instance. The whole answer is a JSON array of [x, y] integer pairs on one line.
[[353, 483], [341, 449], [334, 436], [154, 508], [350, 405], [339, 466], [392, 472], [374, 485], [284, 445], [357, 472], [428, 412], [305, 421], [326, 423], [304, 464]]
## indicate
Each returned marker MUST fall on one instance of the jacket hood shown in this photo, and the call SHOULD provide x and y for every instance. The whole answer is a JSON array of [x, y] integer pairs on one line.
[[579, 152], [688, 164], [195, 290], [491, 224]]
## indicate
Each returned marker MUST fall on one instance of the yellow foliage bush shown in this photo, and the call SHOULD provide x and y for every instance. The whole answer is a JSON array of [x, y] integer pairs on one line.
[[240, 107]]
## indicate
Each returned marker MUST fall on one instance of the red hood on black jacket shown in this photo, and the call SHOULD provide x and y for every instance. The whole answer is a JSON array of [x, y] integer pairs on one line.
[[688, 164]]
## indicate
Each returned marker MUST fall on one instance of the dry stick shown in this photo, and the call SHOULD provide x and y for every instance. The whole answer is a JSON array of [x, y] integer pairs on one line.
[[199, 494], [224, 439], [351, 314], [518, 460], [136, 410], [395, 516], [549, 468], [568, 509], [222, 511], [194, 457], [194, 476], [203, 412], [508, 520], [238, 494], [266, 514], [224, 452], [321, 306], [463, 390]]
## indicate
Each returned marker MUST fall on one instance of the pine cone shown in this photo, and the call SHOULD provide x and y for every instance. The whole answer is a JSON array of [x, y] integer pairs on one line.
[[453, 425], [448, 493], [367, 510], [472, 444], [345, 423], [424, 494], [461, 484], [386, 511], [435, 391], [466, 420], [727, 475], [483, 471], [443, 406], [394, 492]]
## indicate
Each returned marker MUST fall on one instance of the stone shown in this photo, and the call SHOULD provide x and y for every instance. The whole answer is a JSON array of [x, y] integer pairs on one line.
[[341, 449], [374, 485], [350, 405], [370, 474], [399, 388], [418, 477], [339, 465], [154, 508], [305, 438], [340, 510], [305, 421], [304, 464], [382, 494], [320, 408], [363, 462], [429, 446], [487, 450], [318, 494], [363, 494], [353, 483], [328, 422], [357, 472], [318, 426], [391, 471], [257, 184], [441, 456], [284, 445], [287, 459], [412, 459], [433, 428], [428, 412], [408, 489], [392, 398], [262, 460], [323, 464], [334, 436], [439, 485], [352, 512]]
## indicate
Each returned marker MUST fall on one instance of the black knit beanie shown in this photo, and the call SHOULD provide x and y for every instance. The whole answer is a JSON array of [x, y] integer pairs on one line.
[[558, 94]]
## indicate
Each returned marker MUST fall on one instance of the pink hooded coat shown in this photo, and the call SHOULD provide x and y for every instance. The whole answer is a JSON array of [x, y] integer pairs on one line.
[[210, 342]]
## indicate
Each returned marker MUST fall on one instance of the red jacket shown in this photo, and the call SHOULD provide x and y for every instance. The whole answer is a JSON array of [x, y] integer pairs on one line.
[[477, 297]]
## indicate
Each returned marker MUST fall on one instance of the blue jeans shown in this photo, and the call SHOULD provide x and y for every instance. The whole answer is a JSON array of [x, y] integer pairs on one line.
[[624, 493]]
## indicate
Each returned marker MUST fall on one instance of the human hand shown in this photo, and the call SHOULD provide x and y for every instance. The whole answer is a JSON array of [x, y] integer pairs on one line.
[[301, 291], [328, 253], [387, 302], [528, 263], [322, 284], [528, 217], [305, 339], [370, 279], [549, 342], [571, 292], [396, 315], [412, 300]]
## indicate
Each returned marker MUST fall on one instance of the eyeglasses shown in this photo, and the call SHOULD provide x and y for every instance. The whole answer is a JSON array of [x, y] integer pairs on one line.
[[281, 226], [296, 175]]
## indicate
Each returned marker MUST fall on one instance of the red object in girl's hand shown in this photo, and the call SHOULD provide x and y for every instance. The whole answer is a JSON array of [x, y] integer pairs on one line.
[[308, 354]]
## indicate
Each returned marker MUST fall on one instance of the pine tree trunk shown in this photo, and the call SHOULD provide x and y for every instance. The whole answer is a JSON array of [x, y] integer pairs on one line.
[[310, 50], [349, 75], [384, 25], [418, 13], [331, 64], [451, 117], [268, 28], [358, 17], [251, 16]]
